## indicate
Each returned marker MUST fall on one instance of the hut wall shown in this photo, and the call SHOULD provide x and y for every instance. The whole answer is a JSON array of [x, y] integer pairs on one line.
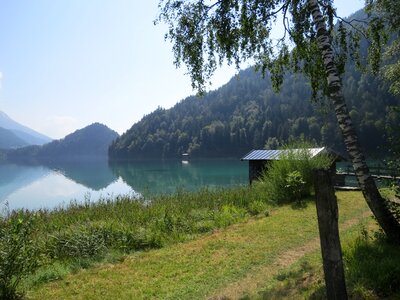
[[256, 168]]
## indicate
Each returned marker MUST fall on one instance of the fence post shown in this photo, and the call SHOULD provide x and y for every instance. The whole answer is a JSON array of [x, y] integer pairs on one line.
[[327, 212]]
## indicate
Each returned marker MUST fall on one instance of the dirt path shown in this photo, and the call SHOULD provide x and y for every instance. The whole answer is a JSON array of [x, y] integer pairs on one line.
[[255, 279]]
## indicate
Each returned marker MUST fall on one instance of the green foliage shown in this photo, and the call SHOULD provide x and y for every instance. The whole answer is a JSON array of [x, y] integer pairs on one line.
[[373, 264], [393, 133], [392, 197], [392, 161], [257, 207], [68, 239], [229, 215], [391, 71], [49, 273], [295, 185], [79, 242], [290, 178], [245, 114], [18, 252], [394, 207], [204, 35], [389, 11], [236, 30]]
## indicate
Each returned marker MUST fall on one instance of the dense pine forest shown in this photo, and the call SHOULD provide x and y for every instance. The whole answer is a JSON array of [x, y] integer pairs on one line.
[[246, 113]]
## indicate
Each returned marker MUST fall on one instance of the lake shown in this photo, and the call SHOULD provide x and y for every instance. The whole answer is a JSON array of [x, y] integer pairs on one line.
[[54, 184]]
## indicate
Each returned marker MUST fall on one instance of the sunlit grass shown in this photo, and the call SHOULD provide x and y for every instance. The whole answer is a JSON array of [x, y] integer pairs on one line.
[[204, 267], [83, 235]]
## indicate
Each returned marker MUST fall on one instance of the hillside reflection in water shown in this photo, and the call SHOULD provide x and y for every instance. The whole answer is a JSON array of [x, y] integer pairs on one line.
[[52, 184], [156, 177]]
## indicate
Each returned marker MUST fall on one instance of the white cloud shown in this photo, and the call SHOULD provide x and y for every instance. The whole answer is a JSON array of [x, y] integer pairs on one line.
[[1, 78]]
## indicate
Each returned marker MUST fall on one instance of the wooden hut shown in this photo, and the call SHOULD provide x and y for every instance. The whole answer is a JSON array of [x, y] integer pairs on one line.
[[259, 159]]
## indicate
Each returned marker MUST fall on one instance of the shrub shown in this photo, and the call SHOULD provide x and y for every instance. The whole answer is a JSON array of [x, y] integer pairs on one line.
[[291, 177], [18, 252], [295, 185]]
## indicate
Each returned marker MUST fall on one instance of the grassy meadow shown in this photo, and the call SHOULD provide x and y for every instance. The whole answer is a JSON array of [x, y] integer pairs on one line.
[[221, 244]]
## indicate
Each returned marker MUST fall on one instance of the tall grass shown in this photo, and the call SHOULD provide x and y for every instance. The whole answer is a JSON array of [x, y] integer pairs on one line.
[[18, 252], [373, 267], [82, 234]]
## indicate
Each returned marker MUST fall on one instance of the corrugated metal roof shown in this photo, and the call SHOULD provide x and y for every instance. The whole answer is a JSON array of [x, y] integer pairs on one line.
[[275, 154]]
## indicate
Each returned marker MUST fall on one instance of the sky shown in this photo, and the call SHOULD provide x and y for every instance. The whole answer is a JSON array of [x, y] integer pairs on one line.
[[65, 64]]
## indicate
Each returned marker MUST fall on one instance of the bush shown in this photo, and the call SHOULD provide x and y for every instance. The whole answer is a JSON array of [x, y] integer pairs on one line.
[[18, 252], [291, 177], [295, 185]]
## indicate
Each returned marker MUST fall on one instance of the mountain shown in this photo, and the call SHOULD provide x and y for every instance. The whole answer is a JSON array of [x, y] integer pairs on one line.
[[91, 141], [9, 139], [246, 114], [25, 135]]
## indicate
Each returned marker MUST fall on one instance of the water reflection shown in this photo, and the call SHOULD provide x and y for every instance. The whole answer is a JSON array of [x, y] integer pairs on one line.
[[13, 177], [94, 174], [166, 176], [35, 185]]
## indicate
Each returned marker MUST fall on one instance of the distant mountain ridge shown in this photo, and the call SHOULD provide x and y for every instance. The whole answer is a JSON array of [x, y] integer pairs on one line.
[[91, 141], [16, 135], [9, 139]]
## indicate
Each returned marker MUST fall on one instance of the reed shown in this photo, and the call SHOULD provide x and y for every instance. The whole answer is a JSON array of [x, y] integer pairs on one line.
[[82, 234]]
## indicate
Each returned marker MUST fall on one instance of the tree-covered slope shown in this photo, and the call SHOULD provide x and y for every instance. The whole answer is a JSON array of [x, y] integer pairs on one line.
[[245, 114], [91, 141]]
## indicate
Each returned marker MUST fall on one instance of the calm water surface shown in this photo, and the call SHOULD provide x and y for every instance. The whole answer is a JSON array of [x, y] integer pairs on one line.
[[35, 186]]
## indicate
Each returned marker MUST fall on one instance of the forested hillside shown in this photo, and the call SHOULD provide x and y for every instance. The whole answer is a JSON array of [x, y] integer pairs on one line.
[[91, 141], [246, 114]]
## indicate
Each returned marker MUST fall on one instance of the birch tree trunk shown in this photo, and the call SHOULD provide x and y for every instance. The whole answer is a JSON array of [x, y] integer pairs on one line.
[[371, 194]]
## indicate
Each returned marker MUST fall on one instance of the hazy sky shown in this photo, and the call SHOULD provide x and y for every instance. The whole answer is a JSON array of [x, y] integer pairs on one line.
[[65, 64]]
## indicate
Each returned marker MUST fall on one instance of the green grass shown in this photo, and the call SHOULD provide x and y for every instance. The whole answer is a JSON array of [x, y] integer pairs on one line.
[[233, 259], [305, 279], [228, 242], [83, 235]]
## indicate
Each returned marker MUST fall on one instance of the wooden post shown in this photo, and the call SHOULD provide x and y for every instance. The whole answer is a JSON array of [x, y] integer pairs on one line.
[[327, 212]]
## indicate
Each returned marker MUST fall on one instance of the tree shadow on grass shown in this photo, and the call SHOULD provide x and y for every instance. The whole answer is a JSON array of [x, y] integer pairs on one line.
[[299, 205], [293, 283], [373, 268]]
